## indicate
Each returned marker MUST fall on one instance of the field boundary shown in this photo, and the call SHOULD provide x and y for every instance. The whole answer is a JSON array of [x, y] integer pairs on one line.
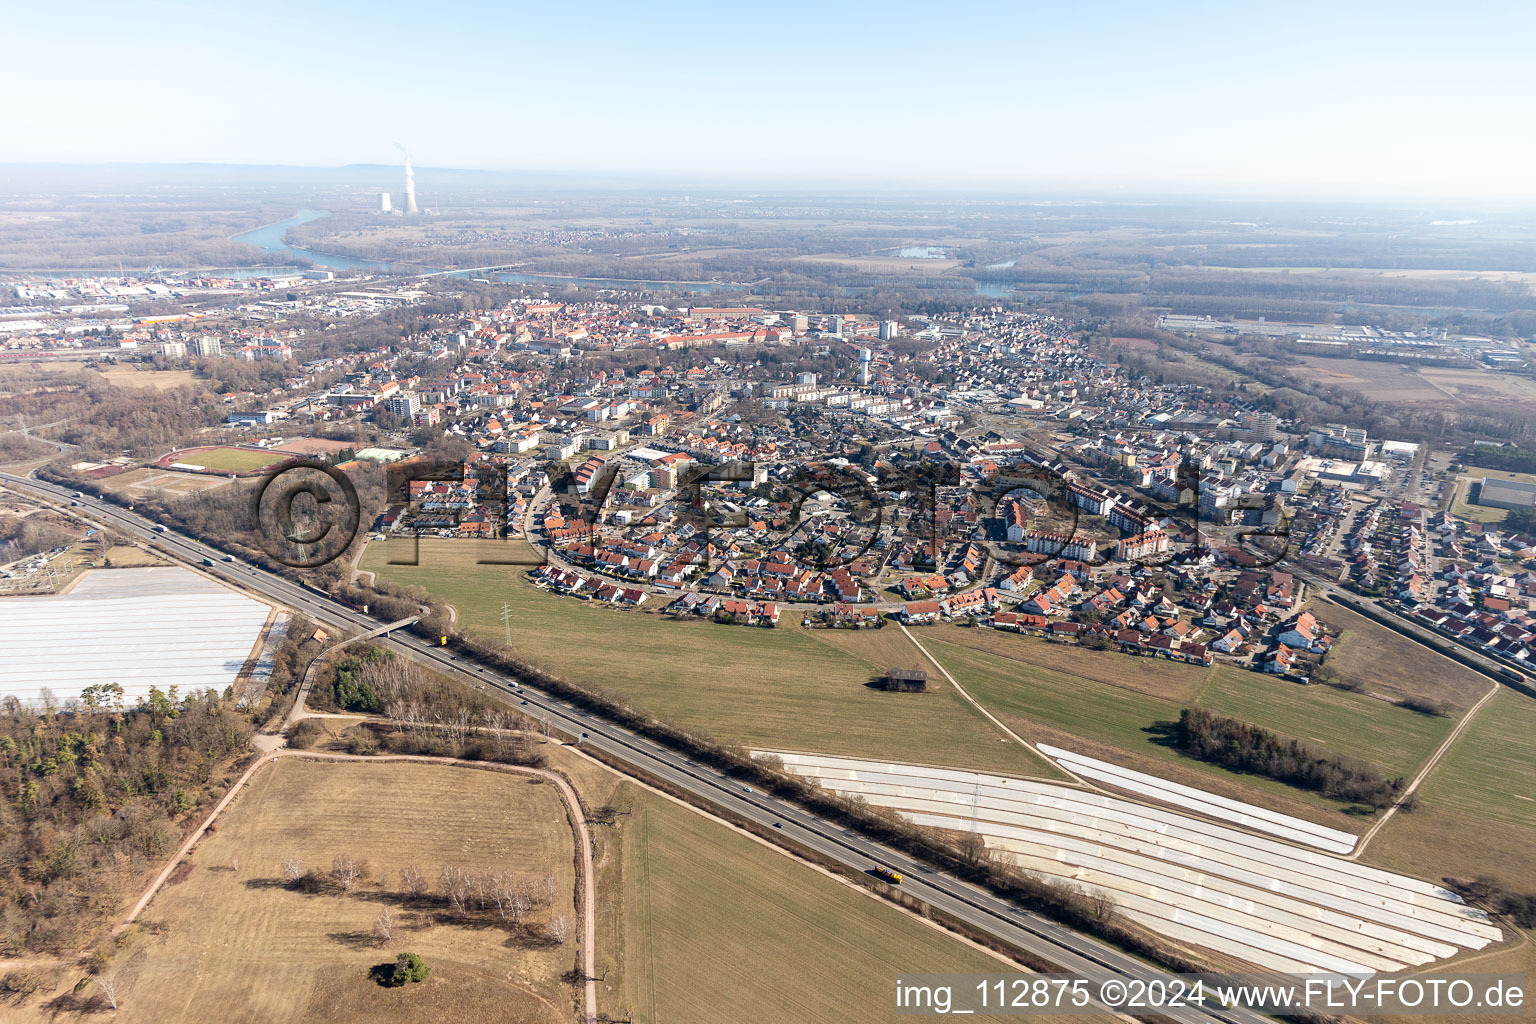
[[786, 850], [1429, 766], [586, 902], [993, 718]]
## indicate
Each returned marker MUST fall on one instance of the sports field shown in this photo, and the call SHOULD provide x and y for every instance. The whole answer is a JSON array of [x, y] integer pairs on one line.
[[230, 460], [231, 943], [776, 688], [140, 483]]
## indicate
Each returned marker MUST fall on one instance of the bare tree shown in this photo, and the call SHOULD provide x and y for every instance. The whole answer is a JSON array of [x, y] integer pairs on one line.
[[974, 849], [559, 928], [479, 890], [413, 881], [496, 721], [293, 870], [455, 885], [345, 871], [509, 895], [409, 713], [497, 891], [234, 863], [384, 927], [107, 983], [1100, 905], [458, 725]]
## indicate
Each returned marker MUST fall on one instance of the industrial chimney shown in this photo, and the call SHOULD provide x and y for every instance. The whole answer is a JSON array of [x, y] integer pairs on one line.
[[410, 183]]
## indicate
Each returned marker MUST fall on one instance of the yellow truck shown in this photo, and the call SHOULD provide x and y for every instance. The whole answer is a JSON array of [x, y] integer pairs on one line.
[[886, 874]]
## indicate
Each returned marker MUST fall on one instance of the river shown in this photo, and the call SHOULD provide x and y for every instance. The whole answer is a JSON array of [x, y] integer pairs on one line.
[[271, 239]]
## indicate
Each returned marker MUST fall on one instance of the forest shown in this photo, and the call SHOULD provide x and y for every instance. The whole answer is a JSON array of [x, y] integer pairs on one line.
[[95, 792], [21, 536], [425, 713], [91, 798]]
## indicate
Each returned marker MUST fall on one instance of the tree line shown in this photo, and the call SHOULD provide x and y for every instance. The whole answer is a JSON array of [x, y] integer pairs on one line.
[[1508, 458], [500, 896], [1248, 748]]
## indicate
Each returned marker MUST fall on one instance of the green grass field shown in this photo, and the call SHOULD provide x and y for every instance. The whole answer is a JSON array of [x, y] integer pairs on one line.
[[1391, 665], [779, 688], [1392, 738], [232, 460], [1119, 724], [1477, 809], [797, 689], [1169, 679], [720, 928]]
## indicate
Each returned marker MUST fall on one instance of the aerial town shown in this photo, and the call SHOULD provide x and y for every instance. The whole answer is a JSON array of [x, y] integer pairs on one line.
[[979, 527], [875, 480], [634, 406]]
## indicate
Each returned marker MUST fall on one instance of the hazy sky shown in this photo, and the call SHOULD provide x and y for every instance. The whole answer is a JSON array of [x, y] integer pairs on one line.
[[1348, 98]]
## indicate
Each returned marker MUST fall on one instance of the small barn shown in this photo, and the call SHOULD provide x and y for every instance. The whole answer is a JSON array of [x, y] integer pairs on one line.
[[905, 680]]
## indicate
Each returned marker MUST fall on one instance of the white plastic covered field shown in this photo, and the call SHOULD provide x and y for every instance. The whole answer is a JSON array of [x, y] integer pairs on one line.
[[1259, 819], [161, 626], [1276, 905]]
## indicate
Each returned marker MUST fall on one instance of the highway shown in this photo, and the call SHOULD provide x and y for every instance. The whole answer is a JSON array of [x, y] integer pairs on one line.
[[1069, 951]]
